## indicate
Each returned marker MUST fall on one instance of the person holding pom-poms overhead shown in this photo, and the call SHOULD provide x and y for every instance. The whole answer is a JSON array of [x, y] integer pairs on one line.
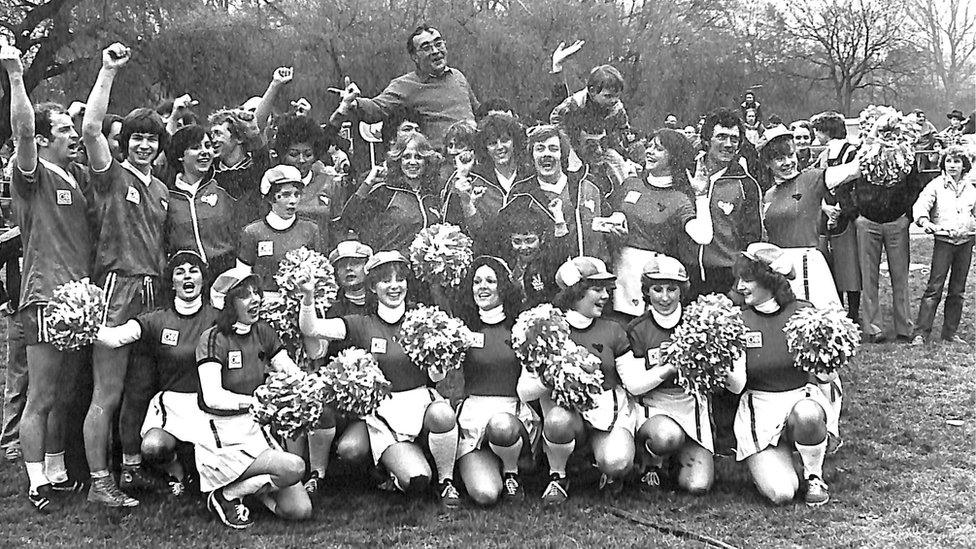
[[414, 410], [241, 458], [782, 410]]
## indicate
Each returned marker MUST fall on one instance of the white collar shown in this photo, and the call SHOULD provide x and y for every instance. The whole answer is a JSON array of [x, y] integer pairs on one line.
[[506, 182], [190, 188], [61, 172], [308, 177], [388, 315], [557, 187], [279, 223], [492, 316], [768, 307], [669, 320], [242, 329], [146, 178], [187, 308], [577, 320], [659, 181]]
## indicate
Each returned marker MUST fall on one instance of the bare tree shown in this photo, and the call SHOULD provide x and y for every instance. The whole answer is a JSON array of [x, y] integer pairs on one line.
[[851, 44], [948, 29]]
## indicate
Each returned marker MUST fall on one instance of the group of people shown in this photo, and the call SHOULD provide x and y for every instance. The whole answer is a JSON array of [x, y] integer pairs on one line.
[[184, 225]]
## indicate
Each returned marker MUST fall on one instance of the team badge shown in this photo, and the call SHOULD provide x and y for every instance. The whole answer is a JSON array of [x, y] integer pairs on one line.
[[132, 195], [726, 207], [632, 197], [235, 360], [477, 340], [265, 248], [590, 205], [377, 345], [64, 198], [209, 199], [753, 340], [170, 337]]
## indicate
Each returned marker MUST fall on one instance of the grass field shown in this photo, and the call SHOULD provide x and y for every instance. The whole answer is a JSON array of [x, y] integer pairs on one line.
[[904, 478]]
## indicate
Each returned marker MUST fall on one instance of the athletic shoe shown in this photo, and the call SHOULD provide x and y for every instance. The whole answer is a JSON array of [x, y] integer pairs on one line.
[[13, 453], [817, 493], [955, 339], [103, 490], [557, 492], [391, 484], [834, 444], [41, 499], [312, 484], [68, 486], [448, 494], [918, 341], [233, 513], [136, 478], [177, 488], [512, 487], [650, 481]]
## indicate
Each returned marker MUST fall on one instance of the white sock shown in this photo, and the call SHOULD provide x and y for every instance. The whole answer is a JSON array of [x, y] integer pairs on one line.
[[103, 473], [508, 454], [131, 460], [319, 446], [443, 447], [558, 454], [54, 468], [246, 487], [35, 475], [812, 457]]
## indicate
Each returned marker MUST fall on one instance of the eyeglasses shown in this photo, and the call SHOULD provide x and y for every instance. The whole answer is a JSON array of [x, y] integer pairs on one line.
[[429, 47]]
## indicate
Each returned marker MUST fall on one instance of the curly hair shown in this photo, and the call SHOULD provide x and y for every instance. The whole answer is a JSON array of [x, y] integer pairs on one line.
[[756, 271], [432, 161], [242, 126], [500, 126], [463, 134], [830, 123], [511, 295], [720, 117], [293, 129], [956, 152]]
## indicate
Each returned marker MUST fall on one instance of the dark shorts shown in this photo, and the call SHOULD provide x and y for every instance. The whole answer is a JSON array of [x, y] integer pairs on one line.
[[128, 296], [35, 328]]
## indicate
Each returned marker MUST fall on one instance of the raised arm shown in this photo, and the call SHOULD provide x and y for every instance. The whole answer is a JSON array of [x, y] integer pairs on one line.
[[281, 76], [21, 111], [310, 325], [114, 58]]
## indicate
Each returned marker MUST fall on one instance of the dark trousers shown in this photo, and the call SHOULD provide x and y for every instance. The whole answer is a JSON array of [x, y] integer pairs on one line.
[[950, 260]]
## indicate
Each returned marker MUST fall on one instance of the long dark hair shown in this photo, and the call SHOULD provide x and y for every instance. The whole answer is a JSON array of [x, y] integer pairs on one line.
[[509, 292], [756, 271], [681, 158], [567, 298], [227, 316]]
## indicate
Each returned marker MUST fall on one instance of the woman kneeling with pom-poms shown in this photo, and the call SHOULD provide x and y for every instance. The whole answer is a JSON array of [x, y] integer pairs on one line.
[[670, 421], [496, 427], [609, 419], [241, 458], [413, 411], [781, 409]]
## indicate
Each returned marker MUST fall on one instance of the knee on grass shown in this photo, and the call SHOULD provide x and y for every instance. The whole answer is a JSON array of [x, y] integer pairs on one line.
[[439, 417], [299, 508], [778, 494]]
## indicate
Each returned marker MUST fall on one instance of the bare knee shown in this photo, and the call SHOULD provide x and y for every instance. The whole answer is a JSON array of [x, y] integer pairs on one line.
[[661, 435], [291, 469], [298, 508], [156, 446], [808, 422], [778, 494], [483, 495], [352, 450], [439, 417], [504, 429], [559, 425], [696, 485]]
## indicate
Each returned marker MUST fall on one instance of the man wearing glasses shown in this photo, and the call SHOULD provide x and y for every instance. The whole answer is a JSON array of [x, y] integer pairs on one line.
[[439, 93]]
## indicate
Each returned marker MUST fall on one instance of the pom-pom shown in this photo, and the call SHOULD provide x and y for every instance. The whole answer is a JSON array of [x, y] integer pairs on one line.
[[888, 151], [354, 383], [821, 340], [303, 264], [537, 335], [433, 339], [281, 313], [291, 402], [705, 343], [441, 254], [74, 315], [575, 378]]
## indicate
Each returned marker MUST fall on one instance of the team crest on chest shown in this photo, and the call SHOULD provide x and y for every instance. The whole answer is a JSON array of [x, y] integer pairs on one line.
[[209, 199], [132, 195], [235, 360], [64, 197], [169, 337]]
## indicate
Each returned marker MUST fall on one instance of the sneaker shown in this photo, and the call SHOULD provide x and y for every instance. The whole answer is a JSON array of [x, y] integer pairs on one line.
[[232, 513], [817, 493], [918, 341], [103, 490], [650, 481], [312, 484], [956, 340], [610, 487], [41, 499], [13, 453], [177, 488], [137, 479], [557, 492], [68, 486], [512, 487], [391, 484], [450, 499], [834, 444]]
